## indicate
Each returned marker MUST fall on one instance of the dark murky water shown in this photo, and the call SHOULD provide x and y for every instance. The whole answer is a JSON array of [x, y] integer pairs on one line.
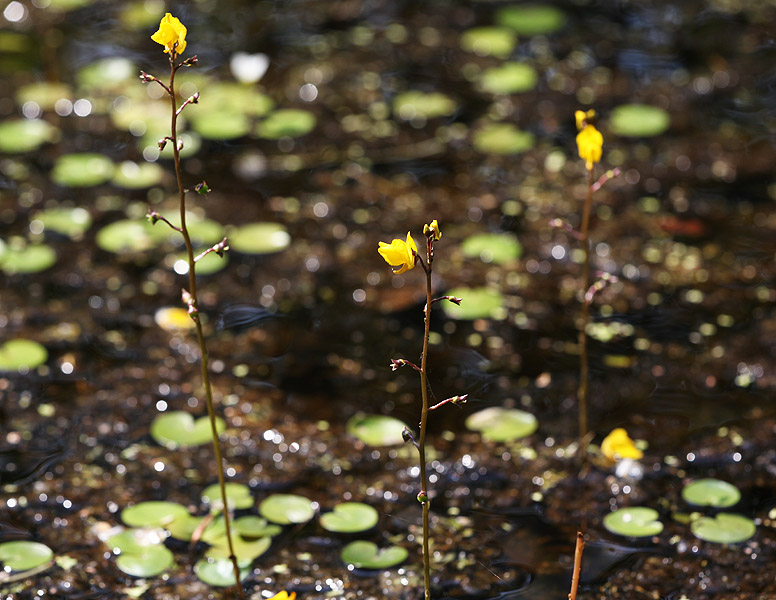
[[689, 367]]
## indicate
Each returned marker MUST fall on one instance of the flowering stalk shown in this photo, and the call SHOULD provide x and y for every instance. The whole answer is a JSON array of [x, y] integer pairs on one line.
[[403, 256], [172, 35]]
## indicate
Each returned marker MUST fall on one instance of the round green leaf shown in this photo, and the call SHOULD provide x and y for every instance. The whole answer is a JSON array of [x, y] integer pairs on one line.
[[135, 176], [44, 94], [25, 135], [509, 78], [502, 138], [499, 424], [376, 430], [238, 496], [251, 527], [178, 429], [183, 527], [107, 74], [259, 238], [244, 550], [135, 540], [22, 354], [66, 5], [209, 264], [287, 508], [31, 258], [635, 521], [413, 104], [150, 561], [711, 492], [531, 19], [219, 572], [222, 125], [639, 120], [496, 248], [130, 235], [22, 555], [489, 41], [350, 517], [72, 222], [477, 303], [225, 96], [366, 555], [288, 122], [725, 528], [82, 170], [153, 514]]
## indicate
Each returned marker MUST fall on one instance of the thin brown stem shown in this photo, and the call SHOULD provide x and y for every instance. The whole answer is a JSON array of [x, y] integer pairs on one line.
[[585, 317], [426, 501], [578, 549], [200, 334]]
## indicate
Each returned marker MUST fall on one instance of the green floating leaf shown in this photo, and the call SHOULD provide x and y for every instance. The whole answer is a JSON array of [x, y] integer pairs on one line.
[[238, 496], [31, 258], [135, 540], [178, 429], [425, 105], [366, 555], [243, 550], [287, 508], [287, 122], [129, 236], [531, 19], [639, 120], [72, 222], [107, 74], [25, 135], [23, 555], [499, 424], [224, 96], [496, 248], [82, 170], [725, 528], [502, 138], [148, 562], [509, 78], [376, 430], [635, 521], [711, 492], [251, 527], [209, 264], [489, 41], [153, 514], [66, 5], [219, 572], [22, 354], [135, 176], [259, 238], [478, 303], [184, 526], [350, 517], [44, 94], [222, 125]]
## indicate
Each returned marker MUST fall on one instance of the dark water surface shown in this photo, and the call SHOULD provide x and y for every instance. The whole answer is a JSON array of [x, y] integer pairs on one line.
[[686, 363]]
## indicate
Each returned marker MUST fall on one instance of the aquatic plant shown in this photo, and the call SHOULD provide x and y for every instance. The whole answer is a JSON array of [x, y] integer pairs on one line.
[[402, 256], [172, 35], [618, 445]]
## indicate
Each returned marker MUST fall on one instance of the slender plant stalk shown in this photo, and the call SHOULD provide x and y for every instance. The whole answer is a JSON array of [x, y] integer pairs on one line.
[[583, 358], [426, 501], [578, 549], [198, 322]]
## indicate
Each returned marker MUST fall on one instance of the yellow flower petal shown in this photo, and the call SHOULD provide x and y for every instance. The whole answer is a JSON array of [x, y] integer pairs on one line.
[[284, 596], [618, 445], [589, 143], [399, 254], [583, 118], [171, 30], [433, 228]]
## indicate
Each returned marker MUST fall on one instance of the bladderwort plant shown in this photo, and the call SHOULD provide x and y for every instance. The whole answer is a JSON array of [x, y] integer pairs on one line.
[[402, 256], [172, 35]]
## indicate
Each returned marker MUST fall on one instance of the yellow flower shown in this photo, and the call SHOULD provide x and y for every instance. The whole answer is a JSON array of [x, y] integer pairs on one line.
[[583, 118], [433, 228], [284, 596], [589, 143], [171, 30], [618, 445], [400, 255]]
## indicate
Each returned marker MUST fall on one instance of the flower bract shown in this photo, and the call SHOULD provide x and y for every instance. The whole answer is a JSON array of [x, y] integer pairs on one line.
[[618, 445], [589, 142], [171, 31], [399, 254], [433, 228]]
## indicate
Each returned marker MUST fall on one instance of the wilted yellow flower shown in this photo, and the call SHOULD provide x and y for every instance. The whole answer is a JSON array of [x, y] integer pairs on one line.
[[618, 445], [583, 118], [171, 30], [399, 254], [433, 228], [589, 142], [284, 596]]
